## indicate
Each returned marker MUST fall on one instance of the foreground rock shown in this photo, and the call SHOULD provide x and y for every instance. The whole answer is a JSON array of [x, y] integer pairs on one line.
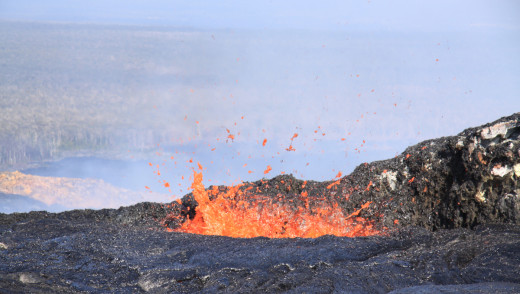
[[450, 208], [70, 252]]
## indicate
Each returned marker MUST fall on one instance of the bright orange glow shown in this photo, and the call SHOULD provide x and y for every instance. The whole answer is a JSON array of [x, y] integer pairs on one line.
[[237, 214], [333, 184], [291, 148], [267, 170], [368, 187]]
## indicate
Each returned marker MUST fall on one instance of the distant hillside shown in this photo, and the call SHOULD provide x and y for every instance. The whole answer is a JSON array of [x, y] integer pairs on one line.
[[10, 203], [69, 89], [51, 193]]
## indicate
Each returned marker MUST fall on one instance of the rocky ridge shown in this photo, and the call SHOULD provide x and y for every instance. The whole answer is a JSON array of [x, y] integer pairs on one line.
[[459, 181]]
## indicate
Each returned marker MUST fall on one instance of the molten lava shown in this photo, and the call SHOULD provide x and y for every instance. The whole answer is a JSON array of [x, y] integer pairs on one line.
[[227, 214]]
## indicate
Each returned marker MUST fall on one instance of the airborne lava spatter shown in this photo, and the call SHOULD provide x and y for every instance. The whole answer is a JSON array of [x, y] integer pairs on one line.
[[230, 214]]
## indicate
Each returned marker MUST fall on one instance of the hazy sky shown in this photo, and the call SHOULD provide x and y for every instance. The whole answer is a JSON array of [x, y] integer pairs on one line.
[[392, 73], [292, 14]]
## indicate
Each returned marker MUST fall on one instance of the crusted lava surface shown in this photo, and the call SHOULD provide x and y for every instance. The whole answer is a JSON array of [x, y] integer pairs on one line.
[[449, 207]]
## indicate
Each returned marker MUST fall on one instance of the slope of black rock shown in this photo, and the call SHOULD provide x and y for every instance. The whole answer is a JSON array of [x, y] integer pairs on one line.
[[453, 202], [459, 181]]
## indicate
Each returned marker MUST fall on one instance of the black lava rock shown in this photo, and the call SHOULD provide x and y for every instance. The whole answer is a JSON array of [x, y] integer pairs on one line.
[[65, 255], [460, 181]]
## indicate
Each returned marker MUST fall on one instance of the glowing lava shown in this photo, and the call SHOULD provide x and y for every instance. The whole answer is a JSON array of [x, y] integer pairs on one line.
[[228, 215]]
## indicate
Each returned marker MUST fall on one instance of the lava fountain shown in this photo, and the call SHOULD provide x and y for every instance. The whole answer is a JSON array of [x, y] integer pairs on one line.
[[230, 214]]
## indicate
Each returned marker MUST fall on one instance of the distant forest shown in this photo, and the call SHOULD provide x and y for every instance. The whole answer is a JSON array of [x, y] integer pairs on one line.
[[115, 91], [92, 89]]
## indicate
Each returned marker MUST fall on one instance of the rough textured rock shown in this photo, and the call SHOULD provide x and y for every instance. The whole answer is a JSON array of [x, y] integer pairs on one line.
[[460, 181], [62, 254], [455, 199]]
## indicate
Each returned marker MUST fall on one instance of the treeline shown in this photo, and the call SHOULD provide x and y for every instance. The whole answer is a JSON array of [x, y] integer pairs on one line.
[[79, 89], [17, 150], [50, 122]]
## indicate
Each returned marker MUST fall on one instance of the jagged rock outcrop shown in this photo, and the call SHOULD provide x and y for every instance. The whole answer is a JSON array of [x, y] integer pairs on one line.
[[451, 182], [459, 181]]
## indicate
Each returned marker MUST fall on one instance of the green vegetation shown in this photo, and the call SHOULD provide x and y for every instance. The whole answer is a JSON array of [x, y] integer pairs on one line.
[[66, 89], [103, 90]]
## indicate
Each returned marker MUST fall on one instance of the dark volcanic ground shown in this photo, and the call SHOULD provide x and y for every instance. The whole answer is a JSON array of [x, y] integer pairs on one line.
[[78, 252], [456, 201]]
